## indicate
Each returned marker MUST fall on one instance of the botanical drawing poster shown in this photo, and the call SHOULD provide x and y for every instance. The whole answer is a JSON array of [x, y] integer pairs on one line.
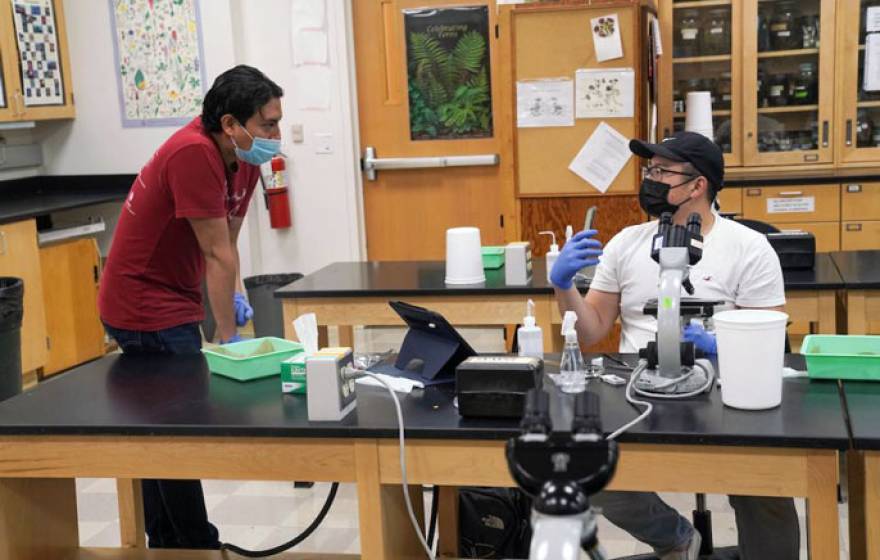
[[159, 60]]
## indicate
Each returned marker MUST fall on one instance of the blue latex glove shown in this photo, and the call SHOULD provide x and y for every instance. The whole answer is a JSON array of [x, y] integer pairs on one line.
[[703, 340], [234, 338], [580, 251], [243, 310]]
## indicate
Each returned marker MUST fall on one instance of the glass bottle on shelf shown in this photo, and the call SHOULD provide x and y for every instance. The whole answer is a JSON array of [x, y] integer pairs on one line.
[[864, 129], [777, 91], [763, 33], [687, 41], [724, 95], [762, 89], [678, 98], [803, 91], [810, 32], [784, 34], [716, 40]]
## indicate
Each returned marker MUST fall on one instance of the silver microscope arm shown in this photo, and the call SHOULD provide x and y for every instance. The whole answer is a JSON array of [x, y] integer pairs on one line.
[[560, 537], [673, 271]]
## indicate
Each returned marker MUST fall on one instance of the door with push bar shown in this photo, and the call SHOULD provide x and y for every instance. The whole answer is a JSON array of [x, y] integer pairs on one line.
[[432, 122]]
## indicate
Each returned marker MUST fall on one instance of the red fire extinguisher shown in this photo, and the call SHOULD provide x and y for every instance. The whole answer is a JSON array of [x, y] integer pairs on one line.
[[277, 198]]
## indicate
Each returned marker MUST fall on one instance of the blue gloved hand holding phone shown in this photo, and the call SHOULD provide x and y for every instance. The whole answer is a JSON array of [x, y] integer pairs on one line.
[[243, 310], [578, 252]]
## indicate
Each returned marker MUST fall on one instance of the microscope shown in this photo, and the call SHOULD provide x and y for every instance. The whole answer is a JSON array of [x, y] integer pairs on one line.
[[560, 472], [668, 367]]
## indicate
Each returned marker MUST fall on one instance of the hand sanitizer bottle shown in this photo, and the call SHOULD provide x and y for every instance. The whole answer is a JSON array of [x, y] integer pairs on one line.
[[571, 368], [529, 336], [552, 254]]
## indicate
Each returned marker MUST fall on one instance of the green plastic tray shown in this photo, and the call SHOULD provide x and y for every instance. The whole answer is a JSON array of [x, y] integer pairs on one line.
[[493, 257], [842, 357], [256, 367]]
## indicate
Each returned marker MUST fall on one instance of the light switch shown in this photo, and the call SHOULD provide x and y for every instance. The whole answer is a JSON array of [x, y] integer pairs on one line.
[[297, 135], [323, 143]]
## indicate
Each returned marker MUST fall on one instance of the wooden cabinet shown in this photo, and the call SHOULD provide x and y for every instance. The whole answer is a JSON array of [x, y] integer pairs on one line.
[[20, 257], [29, 73], [730, 200], [857, 236], [70, 275], [775, 99], [815, 209]]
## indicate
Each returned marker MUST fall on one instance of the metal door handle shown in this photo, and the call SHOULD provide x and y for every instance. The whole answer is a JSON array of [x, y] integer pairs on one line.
[[849, 132], [791, 193], [371, 164], [824, 134], [2, 242]]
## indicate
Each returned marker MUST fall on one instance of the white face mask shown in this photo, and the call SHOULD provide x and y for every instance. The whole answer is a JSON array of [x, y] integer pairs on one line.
[[262, 149]]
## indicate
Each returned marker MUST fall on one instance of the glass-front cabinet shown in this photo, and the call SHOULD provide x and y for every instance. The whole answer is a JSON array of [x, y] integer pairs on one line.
[[788, 95], [859, 95], [704, 36]]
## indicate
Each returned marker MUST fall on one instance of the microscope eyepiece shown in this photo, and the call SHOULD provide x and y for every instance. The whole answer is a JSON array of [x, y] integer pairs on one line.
[[536, 418]]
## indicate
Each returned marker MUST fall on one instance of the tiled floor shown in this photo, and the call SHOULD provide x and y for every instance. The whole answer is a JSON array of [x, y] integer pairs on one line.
[[264, 514]]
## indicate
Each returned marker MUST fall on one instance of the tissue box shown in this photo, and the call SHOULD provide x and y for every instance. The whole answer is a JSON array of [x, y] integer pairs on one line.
[[293, 375]]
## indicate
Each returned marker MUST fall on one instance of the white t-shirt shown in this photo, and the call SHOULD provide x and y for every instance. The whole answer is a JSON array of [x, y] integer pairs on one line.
[[738, 267]]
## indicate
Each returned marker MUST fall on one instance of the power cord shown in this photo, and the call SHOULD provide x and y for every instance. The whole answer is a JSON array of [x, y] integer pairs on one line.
[[331, 496], [354, 374], [633, 401]]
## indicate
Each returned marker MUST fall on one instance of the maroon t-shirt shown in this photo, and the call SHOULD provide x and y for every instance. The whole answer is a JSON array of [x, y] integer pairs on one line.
[[152, 279]]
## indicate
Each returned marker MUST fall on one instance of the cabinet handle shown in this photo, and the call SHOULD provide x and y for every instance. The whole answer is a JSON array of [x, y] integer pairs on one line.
[[853, 227], [849, 132], [2, 242], [792, 193], [753, 192], [824, 134], [853, 188]]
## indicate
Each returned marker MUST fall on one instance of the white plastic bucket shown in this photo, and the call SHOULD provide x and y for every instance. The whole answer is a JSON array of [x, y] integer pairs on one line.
[[751, 352], [464, 259]]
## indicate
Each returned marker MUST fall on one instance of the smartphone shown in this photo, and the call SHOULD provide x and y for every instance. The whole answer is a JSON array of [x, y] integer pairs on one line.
[[588, 220]]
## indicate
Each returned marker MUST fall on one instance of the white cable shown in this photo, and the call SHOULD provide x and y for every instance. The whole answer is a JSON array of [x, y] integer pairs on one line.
[[648, 406], [406, 498]]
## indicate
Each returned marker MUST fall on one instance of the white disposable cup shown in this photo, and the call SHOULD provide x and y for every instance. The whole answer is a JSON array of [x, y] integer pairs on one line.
[[464, 259], [751, 354], [698, 115]]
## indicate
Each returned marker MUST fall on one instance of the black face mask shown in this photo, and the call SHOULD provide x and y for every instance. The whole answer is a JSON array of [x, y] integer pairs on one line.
[[653, 197]]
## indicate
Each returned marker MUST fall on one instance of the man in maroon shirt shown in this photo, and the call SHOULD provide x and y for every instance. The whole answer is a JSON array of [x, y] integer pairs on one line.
[[179, 225]]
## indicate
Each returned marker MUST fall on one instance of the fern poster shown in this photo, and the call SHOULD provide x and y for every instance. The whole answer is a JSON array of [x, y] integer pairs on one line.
[[447, 55]]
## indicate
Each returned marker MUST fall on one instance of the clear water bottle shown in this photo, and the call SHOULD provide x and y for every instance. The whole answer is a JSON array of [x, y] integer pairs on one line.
[[572, 376]]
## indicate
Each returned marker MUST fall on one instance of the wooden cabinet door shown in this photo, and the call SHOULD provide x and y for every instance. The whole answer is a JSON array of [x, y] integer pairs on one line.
[[792, 204], [784, 123], [70, 270], [860, 236], [20, 257]]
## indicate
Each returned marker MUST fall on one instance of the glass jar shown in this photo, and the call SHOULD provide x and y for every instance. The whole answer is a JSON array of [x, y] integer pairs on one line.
[[804, 87], [677, 100], [716, 39], [784, 33], [777, 91], [810, 32], [864, 130], [762, 89], [687, 38], [724, 92]]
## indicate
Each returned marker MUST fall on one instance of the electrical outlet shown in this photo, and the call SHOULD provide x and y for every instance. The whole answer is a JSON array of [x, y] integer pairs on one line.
[[323, 143]]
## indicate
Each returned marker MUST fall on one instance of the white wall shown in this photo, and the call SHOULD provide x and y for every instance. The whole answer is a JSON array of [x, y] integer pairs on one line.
[[327, 221], [325, 201]]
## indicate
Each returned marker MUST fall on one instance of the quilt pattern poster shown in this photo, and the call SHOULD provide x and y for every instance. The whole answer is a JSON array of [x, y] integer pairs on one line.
[[36, 36], [159, 61]]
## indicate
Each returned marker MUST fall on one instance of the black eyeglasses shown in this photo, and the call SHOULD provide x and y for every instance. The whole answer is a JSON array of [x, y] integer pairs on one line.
[[656, 172]]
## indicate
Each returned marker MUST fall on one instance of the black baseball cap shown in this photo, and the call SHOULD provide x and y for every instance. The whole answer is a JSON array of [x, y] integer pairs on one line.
[[690, 147]]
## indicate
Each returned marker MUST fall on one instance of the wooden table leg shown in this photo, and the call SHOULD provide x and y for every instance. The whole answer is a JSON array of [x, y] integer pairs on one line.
[[132, 532], [823, 523], [855, 483], [857, 312], [827, 323], [872, 503], [385, 528], [447, 521], [38, 518], [346, 336]]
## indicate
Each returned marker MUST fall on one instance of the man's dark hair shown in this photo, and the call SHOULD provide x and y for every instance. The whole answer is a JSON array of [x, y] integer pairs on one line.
[[239, 91]]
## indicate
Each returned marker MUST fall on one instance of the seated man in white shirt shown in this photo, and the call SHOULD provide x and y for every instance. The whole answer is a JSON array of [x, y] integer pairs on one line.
[[738, 267]]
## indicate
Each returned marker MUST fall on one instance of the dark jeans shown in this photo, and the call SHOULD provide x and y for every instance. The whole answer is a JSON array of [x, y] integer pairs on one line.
[[174, 510]]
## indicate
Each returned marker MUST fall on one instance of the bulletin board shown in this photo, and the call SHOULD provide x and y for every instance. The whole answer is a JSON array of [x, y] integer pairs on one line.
[[555, 43]]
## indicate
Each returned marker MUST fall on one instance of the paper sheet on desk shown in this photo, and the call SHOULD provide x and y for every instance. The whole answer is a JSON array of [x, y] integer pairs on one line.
[[399, 384], [602, 157]]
